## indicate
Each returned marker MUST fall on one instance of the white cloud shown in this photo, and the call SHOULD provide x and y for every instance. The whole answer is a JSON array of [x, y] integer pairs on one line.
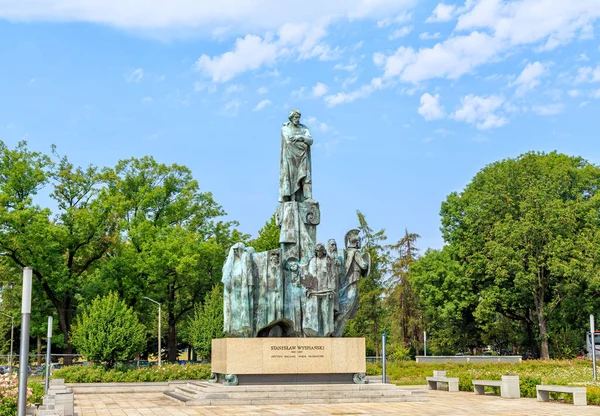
[[234, 89], [529, 78], [319, 90], [400, 33], [237, 17], [481, 111], [574, 93], [262, 90], [348, 97], [588, 74], [442, 13], [596, 94], [548, 110], [428, 36], [583, 57], [430, 107], [452, 58], [249, 53], [403, 17], [312, 122], [262, 105], [136, 75], [349, 67], [550, 23], [147, 100], [231, 108]]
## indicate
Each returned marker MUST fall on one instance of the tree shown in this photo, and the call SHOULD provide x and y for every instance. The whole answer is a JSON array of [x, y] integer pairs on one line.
[[447, 300], [407, 318], [207, 323], [108, 331], [175, 246], [62, 249], [527, 232], [268, 237]]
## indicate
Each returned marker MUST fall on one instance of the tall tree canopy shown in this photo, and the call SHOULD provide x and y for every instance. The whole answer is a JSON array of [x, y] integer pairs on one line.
[[527, 232]]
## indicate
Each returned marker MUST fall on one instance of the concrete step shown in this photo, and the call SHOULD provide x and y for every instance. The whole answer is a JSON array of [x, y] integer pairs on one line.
[[207, 387], [171, 395], [205, 394], [301, 400]]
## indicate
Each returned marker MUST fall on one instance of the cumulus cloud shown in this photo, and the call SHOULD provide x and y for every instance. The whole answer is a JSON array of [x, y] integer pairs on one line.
[[442, 13], [587, 74], [494, 27], [319, 90], [428, 36], [452, 58], [249, 53], [430, 107], [400, 33], [481, 111], [529, 78], [262, 105], [401, 18], [231, 16], [348, 97], [262, 90]]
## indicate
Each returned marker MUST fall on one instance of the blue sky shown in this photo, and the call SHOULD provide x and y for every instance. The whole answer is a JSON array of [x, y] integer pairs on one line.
[[406, 99]]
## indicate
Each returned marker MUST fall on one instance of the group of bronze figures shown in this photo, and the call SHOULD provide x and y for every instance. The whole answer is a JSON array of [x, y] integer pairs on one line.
[[301, 289]]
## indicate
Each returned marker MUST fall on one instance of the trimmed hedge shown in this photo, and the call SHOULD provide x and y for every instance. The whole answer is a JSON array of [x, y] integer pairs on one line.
[[100, 374]]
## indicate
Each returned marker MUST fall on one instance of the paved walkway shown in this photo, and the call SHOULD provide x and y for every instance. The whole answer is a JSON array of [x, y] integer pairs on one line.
[[440, 403]]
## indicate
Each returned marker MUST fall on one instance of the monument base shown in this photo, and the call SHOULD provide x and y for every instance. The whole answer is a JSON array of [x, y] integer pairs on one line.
[[288, 360]]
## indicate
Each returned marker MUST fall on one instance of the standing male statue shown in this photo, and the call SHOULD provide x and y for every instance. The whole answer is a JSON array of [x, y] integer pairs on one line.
[[295, 176]]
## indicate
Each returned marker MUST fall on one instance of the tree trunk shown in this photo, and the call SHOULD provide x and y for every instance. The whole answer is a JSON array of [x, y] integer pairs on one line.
[[65, 317], [172, 343], [544, 353], [39, 350]]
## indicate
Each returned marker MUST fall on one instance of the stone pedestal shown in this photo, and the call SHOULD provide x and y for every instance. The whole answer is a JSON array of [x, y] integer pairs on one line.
[[288, 360]]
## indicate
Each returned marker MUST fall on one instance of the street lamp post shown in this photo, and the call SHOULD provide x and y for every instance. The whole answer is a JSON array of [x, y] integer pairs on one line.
[[159, 349], [12, 332]]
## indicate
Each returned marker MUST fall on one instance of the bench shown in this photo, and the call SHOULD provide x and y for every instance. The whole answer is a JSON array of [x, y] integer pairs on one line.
[[440, 377], [509, 386], [579, 397]]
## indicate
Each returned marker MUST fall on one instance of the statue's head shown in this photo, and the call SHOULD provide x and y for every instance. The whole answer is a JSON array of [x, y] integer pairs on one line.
[[332, 246], [320, 250], [238, 249], [292, 264], [294, 117], [352, 239]]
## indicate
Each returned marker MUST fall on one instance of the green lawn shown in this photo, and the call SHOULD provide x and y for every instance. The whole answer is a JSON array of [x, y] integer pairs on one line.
[[577, 372]]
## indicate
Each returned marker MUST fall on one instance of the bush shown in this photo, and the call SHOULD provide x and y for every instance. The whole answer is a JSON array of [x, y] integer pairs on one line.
[[100, 374], [108, 331], [9, 393]]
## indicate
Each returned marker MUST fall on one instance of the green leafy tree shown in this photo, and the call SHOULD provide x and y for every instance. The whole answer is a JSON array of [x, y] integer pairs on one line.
[[108, 331], [268, 237], [447, 300], [527, 232], [207, 323], [63, 248], [173, 246], [406, 316]]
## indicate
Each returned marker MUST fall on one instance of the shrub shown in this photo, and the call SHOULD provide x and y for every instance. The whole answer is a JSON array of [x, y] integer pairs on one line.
[[9, 392], [100, 374], [108, 331]]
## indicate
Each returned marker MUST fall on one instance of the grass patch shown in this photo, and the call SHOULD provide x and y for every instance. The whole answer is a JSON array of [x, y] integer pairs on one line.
[[575, 372]]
